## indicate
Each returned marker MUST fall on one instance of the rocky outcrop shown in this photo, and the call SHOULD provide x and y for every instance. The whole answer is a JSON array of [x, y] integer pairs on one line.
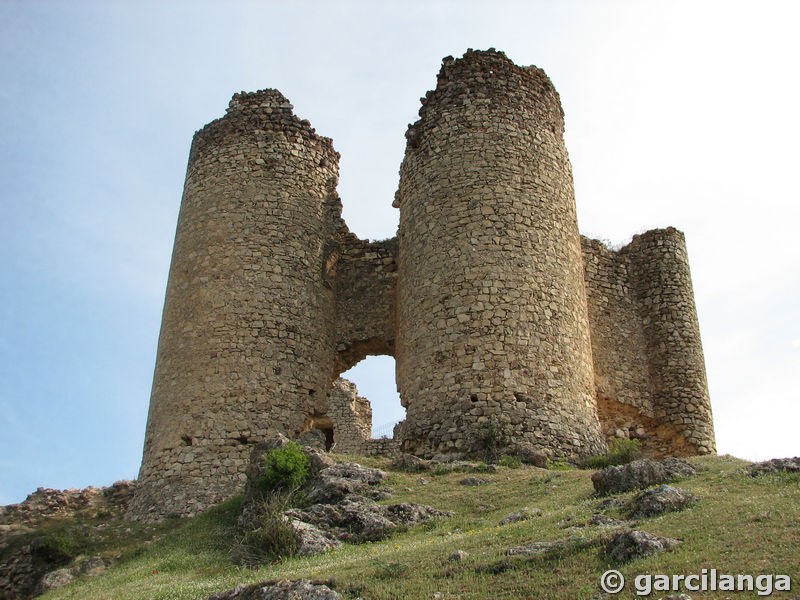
[[30, 566], [776, 465], [47, 503], [659, 500], [344, 505], [356, 519], [301, 589], [523, 515], [640, 474], [633, 544], [333, 483], [566, 545]]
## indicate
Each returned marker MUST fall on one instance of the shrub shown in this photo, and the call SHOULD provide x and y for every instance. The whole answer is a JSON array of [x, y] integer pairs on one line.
[[509, 461], [622, 452], [272, 538], [490, 438], [558, 465], [285, 468]]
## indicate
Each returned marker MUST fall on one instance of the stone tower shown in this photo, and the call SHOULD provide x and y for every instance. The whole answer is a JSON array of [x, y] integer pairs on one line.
[[246, 340], [504, 322], [491, 291]]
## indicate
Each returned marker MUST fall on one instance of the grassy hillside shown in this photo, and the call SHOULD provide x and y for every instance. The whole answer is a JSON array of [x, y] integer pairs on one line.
[[740, 525]]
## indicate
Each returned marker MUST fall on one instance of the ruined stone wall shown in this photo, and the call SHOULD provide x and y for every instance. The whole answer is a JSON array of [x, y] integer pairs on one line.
[[660, 274], [639, 298], [247, 339], [496, 312], [350, 417], [365, 280], [491, 300]]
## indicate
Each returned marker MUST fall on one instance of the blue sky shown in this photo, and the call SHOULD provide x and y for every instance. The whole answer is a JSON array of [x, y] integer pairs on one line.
[[677, 113]]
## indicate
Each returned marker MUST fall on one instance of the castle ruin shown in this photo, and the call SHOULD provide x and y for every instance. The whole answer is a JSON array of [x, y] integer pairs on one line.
[[494, 307]]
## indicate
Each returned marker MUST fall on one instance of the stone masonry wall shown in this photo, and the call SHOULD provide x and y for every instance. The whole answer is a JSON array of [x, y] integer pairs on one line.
[[621, 309], [350, 417], [660, 274], [247, 339], [493, 307], [365, 279], [491, 298]]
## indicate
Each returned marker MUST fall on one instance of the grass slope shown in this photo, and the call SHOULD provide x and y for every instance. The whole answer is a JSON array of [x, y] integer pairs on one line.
[[740, 525]]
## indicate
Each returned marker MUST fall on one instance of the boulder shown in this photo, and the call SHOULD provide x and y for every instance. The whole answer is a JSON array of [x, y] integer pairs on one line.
[[301, 589], [659, 500], [54, 580], [640, 474], [313, 438], [335, 482], [474, 481], [253, 496], [312, 540], [606, 521], [633, 544], [410, 463], [355, 519], [776, 465], [569, 544], [523, 515], [529, 454], [94, 565]]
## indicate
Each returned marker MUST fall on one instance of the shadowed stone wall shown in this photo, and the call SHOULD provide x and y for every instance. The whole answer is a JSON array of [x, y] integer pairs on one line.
[[493, 307]]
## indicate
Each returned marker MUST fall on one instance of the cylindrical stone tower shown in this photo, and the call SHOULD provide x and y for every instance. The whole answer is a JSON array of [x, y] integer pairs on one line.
[[246, 339], [660, 272], [493, 335]]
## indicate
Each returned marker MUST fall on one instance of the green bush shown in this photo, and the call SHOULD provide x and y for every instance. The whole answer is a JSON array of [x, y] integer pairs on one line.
[[285, 468], [509, 461], [558, 465], [622, 452]]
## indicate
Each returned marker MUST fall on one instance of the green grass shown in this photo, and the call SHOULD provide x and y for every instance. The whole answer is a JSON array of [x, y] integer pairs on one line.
[[740, 525]]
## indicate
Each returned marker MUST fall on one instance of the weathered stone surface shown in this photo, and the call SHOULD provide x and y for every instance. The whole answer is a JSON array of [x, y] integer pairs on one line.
[[311, 539], [508, 328], [94, 565], [301, 589], [410, 463], [458, 556], [313, 438], [523, 515], [633, 544], [340, 514], [606, 521], [776, 465], [530, 454], [640, 474], [475, 481], [569, 544], [659, 500], [54, 580], [22, 569], [355, 519], [46, 503], [335, 482], [251, 503]]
